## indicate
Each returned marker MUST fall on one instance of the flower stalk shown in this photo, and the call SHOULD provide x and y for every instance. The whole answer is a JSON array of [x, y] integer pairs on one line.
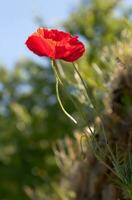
[[58, 80]]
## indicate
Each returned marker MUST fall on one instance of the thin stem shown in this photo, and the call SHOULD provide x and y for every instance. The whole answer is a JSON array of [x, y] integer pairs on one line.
[[54, 66], [100, 159], [85, 87], [58, 80], [88, 96], [60, 102]]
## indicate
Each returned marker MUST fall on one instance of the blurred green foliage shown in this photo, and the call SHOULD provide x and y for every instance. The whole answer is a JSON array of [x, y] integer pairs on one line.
[[101, 25], [98, 23], [31, 120]]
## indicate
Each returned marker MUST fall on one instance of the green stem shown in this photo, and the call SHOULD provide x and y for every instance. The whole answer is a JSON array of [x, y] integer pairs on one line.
[[96, 111], [55, 68], [60, 102], [84, 84], [58, 80]]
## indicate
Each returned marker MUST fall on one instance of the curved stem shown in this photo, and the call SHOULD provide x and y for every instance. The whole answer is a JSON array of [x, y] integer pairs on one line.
[[60, 102], [96, 111], [58, 80]]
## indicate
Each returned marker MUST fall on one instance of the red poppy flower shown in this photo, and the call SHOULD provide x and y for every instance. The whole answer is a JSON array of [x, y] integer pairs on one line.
[[55, 44]]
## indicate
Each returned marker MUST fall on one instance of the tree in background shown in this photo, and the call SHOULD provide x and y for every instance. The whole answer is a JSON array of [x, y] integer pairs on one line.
[[106, 174], [31, 120], [30, 123]]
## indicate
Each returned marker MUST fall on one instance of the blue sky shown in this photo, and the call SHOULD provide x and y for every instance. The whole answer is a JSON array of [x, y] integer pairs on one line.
[[17, 21]]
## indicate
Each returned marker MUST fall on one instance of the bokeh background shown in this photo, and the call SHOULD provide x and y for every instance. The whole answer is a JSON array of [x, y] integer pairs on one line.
[[31, 121], [20, 19]]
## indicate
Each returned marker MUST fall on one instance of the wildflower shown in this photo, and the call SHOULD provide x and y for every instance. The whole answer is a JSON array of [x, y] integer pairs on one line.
[[55, 44]]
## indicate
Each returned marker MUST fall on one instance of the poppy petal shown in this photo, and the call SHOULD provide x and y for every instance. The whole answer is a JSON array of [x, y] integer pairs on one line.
[[75, 51], [56, 35], [40, 46], [55, 44]]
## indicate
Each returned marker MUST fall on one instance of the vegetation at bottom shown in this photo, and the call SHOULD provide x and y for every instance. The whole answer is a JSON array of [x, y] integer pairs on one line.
[[43, 155]]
